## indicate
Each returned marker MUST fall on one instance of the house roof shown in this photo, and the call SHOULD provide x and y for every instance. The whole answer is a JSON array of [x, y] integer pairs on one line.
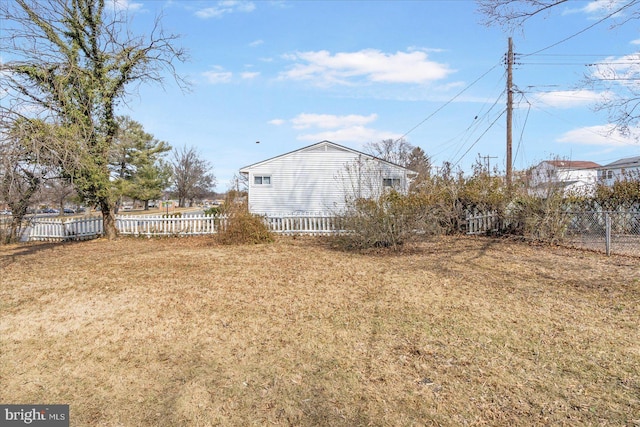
[[628, 162], [573, 164], [319, 144]]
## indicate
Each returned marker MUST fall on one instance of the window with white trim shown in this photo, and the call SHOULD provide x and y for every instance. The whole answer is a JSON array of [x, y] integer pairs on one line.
[[262, 180], [391, 182]]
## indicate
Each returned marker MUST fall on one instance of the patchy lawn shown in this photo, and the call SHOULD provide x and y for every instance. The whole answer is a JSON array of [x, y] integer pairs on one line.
[[460, 331]]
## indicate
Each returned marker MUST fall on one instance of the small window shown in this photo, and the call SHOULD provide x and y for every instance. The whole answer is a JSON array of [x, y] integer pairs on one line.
[[391, 182], [609, 174], [262, 180]]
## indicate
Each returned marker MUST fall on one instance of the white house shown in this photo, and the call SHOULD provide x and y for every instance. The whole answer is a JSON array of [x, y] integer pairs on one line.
[[628, 168], [572, 177], [319, 179]]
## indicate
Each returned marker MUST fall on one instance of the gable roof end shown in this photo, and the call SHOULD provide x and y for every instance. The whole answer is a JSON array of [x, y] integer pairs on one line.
[[245, 170]]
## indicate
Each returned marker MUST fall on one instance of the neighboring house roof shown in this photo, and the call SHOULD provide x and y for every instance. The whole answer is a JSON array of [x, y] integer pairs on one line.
[[317, 145], [573, 164], [628, 162]]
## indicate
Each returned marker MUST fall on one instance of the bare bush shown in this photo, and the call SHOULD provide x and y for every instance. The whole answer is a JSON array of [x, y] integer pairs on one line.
[[389, 221], [242, 227]]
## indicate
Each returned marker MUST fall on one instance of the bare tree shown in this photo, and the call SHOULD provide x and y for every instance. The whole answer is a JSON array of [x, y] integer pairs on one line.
[[513, 13], [59, 191], [615, 79], [76, 60], [395, 151], [192, 176], [21, 174], [420, 163]]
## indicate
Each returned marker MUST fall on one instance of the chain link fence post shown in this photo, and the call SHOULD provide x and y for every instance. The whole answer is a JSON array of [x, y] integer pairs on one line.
[[607, 233]]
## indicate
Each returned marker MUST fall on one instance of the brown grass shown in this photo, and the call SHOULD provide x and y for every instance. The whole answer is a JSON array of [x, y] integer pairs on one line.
[[181, 332]]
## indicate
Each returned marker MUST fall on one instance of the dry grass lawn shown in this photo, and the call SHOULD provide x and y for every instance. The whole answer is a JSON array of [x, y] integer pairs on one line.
[[181, 332]]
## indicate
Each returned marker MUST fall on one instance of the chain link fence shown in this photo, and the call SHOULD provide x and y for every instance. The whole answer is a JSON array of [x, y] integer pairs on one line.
[[611, 232]]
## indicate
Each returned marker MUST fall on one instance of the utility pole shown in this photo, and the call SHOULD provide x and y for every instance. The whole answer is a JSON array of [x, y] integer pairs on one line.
[[487, 161], [509, 112]]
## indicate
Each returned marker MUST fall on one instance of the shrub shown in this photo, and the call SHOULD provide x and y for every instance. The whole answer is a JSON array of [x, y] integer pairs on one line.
[[213, 210], [389, 221], [539, 218], [242, 227]]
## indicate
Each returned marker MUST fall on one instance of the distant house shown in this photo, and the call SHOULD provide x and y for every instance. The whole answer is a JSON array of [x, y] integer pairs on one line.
[[319, 179], [619, 170], [571, 177]]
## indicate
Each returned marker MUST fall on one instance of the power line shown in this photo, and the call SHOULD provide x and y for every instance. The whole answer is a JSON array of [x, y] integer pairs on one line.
[[476, 122], [449, 101], [526, 119], [479, 138], [631, 3], [571, 54]]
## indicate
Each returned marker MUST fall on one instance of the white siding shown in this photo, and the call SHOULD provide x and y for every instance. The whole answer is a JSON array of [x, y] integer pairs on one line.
[[573, 181], [317, 179], [620, 170]]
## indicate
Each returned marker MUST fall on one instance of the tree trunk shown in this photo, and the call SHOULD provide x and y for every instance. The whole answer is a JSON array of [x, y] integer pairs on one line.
[[108, 222], [12, 232]]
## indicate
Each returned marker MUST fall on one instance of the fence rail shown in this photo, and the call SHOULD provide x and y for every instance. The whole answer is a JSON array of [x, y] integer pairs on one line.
[[56, 229], [610, 232], [310, 225], [604, 231], [483, 222]]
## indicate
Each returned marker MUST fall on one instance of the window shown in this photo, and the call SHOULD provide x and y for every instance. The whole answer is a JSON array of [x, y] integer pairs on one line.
[[609, 174], [262, 180], [391, 182]]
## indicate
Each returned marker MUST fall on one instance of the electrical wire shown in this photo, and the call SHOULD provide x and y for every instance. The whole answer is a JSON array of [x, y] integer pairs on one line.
[[631, 3], [526, 119], [478, 118], [450, 101], [479, 138], [476, 122]]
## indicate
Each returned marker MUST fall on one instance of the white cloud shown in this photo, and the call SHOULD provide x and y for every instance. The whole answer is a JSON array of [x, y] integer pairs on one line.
[[329, 121], [599, 135], [348, 128], [218, 75], [247, 75], [355, 134], [126, 5], [567, 98], [597, 9], [620, 68], [369, 65], [636, 41], [225, 7], [256, 43]]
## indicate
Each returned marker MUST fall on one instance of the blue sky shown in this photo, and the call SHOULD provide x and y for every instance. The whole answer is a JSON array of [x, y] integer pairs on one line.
[[293, 73]]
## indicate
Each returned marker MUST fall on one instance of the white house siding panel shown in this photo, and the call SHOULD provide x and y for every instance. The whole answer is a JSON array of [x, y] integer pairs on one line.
[[302, 182], [307, 181], [573, 181], [628, 168]]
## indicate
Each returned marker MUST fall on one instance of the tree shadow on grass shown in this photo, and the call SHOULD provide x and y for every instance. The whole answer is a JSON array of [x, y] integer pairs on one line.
[[16, 251]]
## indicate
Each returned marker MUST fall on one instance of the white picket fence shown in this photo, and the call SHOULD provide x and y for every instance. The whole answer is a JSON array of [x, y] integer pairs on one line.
[[57, 229], [482, 222], [317, 224]]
